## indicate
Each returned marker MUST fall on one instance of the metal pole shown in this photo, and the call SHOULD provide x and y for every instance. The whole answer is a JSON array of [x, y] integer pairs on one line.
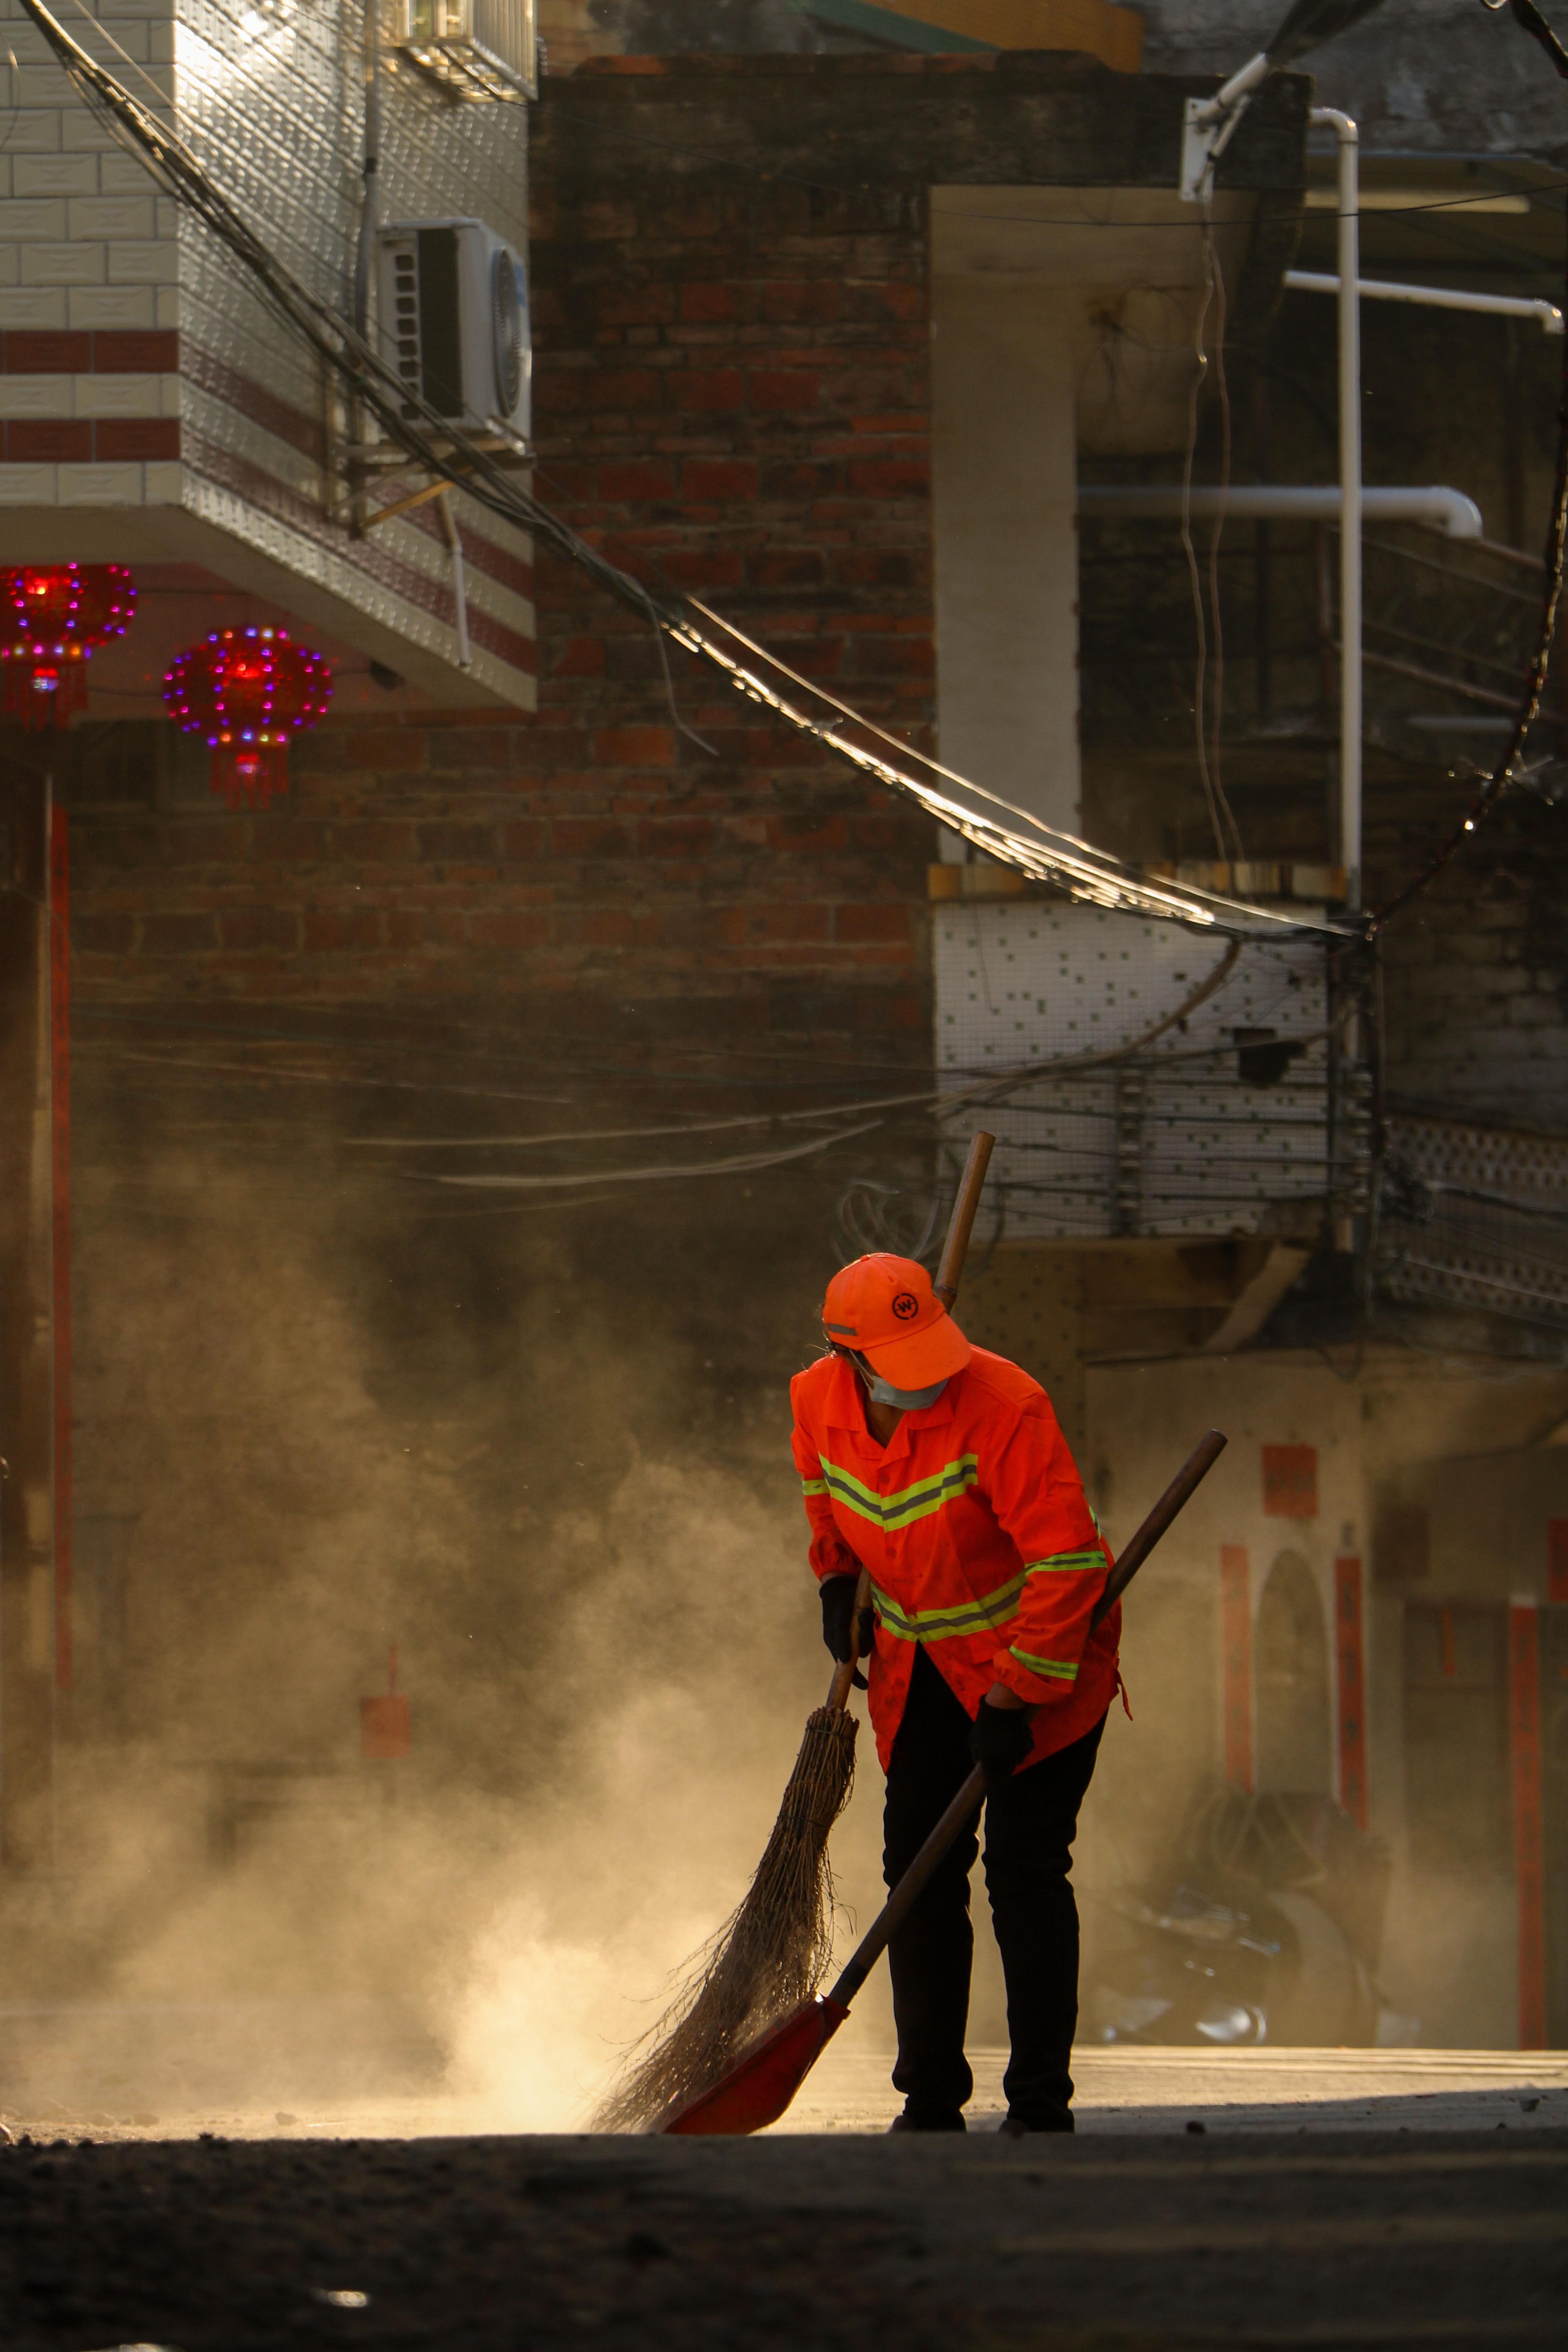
[[1546, 315], [1345, 132]]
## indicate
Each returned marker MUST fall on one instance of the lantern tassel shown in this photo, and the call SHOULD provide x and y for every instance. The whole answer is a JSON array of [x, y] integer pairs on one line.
[[249, 772]]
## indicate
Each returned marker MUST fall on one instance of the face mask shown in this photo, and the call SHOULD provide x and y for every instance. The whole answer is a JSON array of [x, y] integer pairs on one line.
[[882, 1391]]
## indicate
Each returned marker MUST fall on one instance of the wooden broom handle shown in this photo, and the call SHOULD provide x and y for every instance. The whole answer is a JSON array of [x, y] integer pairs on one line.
[[949, 1273], [967, 1803]]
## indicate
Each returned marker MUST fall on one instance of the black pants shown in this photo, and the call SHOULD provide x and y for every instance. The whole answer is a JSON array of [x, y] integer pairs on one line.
[[1029, 1829]]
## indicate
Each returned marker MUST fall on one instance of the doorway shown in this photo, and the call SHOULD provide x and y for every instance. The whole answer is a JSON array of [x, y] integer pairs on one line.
[[1294, 1713]]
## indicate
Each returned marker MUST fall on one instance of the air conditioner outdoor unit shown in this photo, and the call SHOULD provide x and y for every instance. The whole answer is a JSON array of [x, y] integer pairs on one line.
[[480, 48], [454, 321]]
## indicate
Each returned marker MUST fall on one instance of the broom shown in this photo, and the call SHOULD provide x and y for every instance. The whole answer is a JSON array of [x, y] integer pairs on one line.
[[775, 1949]]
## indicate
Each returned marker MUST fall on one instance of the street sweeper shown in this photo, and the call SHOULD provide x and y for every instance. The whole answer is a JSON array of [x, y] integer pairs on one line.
[[939, 1469]]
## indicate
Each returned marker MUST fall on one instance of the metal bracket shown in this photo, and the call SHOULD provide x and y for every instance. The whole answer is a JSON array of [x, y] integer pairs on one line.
[[1208, 126]]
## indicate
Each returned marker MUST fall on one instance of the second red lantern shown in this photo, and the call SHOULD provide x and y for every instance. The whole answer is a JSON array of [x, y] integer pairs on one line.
[[248, 692]]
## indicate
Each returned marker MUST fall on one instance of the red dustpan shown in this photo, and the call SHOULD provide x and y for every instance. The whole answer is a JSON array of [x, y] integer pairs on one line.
[[757, 2089], [760, 2085]]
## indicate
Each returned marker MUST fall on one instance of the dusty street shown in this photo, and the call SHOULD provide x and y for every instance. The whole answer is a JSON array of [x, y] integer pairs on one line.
[[1341, 2198], [1296, 2238]]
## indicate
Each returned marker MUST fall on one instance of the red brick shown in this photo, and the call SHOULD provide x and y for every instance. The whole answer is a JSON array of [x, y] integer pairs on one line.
[[286, 839], [720, 478], [817, 301], [136, 440], [523, 841], [467, 751], [789, 923], [888, 921], [511, 926], [105, 935], [597, 926], [180, 934], [578, 657], [783, 390], [135, 351], [704, 303], [32, 351], [626, 480], [633, 747], [890, 299], [652, 305], [810, 834], [676, 838], [889, 478], [585, 836], [256, 931], [894, 657], [800, 568], [802, 479], [889, 1008], [387, 748], [705, 572], [48, 441], [341, 930], [707, 391], [458, 845], [372, 844], [625, 388]]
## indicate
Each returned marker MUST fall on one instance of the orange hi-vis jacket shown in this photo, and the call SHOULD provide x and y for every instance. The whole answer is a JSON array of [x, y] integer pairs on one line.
[[980, 1544]]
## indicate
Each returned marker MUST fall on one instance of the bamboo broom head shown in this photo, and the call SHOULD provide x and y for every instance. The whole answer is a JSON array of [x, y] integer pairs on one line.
[[769, 1957]]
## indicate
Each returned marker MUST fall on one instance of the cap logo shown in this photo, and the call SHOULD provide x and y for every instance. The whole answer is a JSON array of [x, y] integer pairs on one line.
[[906, 1305]]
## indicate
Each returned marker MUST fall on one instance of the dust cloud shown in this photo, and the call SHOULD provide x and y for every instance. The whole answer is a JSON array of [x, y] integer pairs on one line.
[[319, 1418]]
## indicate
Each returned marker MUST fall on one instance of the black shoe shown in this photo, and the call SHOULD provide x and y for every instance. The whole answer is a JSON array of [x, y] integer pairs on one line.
[[1020, 2126], [929, 2119]]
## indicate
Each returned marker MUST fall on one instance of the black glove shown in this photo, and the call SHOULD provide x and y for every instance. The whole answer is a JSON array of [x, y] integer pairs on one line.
[[838, 1616], [999, 1739]]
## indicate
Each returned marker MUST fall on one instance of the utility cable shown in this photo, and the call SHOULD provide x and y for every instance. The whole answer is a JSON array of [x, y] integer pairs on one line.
[[1189, 551], [409, 420], [1223, 385], [1502, 775]]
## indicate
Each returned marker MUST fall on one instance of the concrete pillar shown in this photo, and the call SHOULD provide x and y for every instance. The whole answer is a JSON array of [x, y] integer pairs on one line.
[[1004, 402]]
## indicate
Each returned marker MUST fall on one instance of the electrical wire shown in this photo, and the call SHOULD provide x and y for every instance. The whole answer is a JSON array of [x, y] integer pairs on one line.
[[1223, 384], [1502, 775], [746, 1163], [1189, 551], [408, 420]]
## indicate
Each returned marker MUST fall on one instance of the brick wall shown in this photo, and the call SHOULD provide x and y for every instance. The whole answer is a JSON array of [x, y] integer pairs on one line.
[[730, 393]]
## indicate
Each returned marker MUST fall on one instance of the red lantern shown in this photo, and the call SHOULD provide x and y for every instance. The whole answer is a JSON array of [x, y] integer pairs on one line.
[[52, 617], [247, 691]]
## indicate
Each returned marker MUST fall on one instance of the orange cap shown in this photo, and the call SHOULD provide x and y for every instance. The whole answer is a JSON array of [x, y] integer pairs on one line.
[[885, 1308]]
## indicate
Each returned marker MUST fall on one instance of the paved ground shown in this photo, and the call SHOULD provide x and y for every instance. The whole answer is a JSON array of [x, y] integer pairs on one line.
[[1121, 2090], [1382, 2199], [1113, 2242]]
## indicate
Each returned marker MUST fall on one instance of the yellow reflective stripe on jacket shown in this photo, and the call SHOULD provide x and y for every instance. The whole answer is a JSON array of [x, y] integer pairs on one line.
[[960, 1617], [814, 1485], [910, 1503], [1059, 1669], [1067, 1563]]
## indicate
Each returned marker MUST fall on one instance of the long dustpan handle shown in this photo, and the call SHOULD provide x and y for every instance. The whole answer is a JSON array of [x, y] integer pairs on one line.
[[966, 1804], [949, 1273]]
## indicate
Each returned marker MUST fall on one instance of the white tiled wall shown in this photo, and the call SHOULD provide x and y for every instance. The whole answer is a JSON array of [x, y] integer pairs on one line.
[[270, 94]]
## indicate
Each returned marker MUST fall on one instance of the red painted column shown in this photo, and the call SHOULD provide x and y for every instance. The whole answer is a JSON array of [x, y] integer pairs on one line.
[[1529, 1846], [59, 1084], [1349, 1664], [1236, 1612]]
